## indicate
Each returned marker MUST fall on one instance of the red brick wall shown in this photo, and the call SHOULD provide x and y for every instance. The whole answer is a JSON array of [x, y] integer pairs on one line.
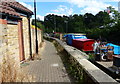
[[2, 21]]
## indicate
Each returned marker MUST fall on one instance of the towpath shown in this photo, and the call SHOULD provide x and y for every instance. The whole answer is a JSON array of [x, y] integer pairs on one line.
[[50, 68]]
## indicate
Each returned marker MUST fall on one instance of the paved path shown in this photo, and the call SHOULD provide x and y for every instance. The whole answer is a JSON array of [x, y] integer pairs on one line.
[[50, 68]]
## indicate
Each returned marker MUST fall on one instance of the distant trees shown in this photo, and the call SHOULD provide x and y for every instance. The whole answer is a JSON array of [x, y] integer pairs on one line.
[[75, 23], [64, 23], [102, 18], [102, 25], [55, 23], [39, 24]]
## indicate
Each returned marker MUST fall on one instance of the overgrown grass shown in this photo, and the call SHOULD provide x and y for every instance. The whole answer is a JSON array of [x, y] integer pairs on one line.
[[75, 73], [10, 71], [91, 56]]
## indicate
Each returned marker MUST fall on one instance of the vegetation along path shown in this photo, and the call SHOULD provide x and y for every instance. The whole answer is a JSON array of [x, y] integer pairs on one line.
[[50, 68]]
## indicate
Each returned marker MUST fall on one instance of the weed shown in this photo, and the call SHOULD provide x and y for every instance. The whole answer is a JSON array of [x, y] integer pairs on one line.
[[10, 71]]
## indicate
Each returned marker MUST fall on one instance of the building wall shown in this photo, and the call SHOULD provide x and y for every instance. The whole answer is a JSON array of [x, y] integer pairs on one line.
[[2, 21], [9, 46], [33, 40], [12, 41], [39, 35], [3, 41], [26, 37], [9, 40]]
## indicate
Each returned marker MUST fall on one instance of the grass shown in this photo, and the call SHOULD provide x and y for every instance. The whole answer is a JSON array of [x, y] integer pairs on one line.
[[10, 71], [91, 56], [75, 73]]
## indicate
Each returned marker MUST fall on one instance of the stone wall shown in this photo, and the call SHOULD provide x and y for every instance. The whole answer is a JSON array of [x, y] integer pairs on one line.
[[9, 45], [9, 40], [39, 35], [33, 40], [26, 37], [3, 40], [13, 42]]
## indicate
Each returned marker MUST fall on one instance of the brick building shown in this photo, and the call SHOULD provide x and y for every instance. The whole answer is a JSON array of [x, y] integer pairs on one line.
[[15, 35]]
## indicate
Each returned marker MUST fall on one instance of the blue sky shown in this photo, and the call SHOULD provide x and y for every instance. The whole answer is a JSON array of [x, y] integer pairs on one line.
[[69, 7]]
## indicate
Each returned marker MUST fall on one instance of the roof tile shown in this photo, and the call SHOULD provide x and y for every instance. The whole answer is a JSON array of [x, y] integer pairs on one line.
[[8, 10], [7, 6]]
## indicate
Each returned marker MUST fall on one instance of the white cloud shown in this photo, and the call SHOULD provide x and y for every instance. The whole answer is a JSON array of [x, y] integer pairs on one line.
[[70, 11], [40, 17], [115, 0], [90, 6], [27, 5], [62, 10], [90, 10]]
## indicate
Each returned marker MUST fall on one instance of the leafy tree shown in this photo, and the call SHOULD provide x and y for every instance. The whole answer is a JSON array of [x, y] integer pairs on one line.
[[89, 20], [39, 24], [115, 14], [102, 18]]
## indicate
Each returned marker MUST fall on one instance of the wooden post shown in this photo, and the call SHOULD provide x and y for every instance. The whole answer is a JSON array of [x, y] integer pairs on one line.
[[61, 36]]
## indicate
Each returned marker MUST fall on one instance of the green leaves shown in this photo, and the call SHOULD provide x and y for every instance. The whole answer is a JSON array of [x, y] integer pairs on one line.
[[39, 24]]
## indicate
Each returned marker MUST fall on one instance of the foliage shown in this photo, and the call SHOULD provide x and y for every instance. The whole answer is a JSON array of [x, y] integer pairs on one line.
[[39, 24], [100, 26], [115, 14], [75, 23]]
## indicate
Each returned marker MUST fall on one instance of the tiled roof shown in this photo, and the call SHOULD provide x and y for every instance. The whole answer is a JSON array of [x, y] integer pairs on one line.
[[8, 10], [8, 6], [7, 0]]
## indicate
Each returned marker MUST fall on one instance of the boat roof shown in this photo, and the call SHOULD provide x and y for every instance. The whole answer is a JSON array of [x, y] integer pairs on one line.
[[84, 39], [76, 34]]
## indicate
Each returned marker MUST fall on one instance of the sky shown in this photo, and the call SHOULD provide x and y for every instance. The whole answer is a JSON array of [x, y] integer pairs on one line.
[[68, 7]]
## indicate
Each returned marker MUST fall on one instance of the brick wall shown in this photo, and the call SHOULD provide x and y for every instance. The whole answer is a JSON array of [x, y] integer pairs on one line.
[[3, 21]]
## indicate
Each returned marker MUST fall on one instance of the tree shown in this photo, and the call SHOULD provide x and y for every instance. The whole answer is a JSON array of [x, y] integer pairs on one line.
[[89, 20], [115, 14], [102, 18], [39, 24]]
